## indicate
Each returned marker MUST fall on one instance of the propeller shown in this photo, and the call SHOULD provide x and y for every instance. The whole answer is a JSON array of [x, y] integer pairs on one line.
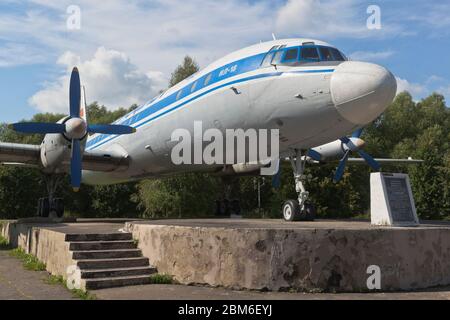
[[351, 147], [75, 128]]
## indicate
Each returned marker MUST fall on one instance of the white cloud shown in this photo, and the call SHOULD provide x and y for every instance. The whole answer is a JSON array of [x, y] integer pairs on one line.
[[371, 56], [415, 89], [329, 19], [14, 54], [109, 77]]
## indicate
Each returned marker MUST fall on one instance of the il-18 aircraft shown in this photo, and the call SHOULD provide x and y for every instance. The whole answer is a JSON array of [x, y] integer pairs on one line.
[[306, 88]]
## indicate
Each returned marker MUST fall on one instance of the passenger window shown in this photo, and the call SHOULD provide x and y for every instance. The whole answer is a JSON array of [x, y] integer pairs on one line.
[[291, 54], [337, 55], [310, 53], [194, 86], [326, 54], [208, 79], [179, 94]]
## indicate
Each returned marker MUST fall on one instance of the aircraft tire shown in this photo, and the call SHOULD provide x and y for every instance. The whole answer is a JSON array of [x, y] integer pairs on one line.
[[291, 210]]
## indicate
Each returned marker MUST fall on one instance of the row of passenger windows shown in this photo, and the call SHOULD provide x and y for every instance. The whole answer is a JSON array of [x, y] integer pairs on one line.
[[279, 55]]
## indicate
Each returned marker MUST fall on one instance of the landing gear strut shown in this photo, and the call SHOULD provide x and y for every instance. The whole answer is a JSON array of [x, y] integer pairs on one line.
[[224, 206], [301, 209], [51, 206]]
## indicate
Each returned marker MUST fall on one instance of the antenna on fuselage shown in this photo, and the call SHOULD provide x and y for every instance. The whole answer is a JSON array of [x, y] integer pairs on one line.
[[273, 36]]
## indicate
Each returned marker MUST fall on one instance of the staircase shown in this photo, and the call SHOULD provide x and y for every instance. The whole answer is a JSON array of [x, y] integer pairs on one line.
[[109, 260]]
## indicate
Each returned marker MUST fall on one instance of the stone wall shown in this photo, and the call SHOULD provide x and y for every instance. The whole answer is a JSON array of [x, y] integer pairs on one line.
[[304, 259], [47, 245]]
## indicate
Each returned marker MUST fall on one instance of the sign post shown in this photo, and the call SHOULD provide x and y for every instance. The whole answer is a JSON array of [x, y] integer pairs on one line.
[[391, 200]]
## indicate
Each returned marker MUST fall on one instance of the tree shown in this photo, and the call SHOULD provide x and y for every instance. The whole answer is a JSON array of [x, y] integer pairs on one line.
[[183, 71]]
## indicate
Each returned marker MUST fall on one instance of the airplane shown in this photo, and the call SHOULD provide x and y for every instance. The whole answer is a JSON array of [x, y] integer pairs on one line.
[[307, 89]]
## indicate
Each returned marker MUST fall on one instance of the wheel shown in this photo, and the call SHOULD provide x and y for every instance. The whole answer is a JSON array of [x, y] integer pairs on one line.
[[291, 210], [310, 211], [58, 207], [45, 207]]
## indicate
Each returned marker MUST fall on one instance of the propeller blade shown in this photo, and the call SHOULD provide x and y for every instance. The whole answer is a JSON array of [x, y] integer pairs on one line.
[[314, 155], [38, 127], [340, 169], [75, 93], [110, 129], [75, 165], [371, 161], [357, 133], [276, 179]]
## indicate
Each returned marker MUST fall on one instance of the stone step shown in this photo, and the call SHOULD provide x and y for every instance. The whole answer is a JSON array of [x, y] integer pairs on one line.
[[101, 245], [113, 263], [98, 237], [102, 283], [106, 254], [122, 272]]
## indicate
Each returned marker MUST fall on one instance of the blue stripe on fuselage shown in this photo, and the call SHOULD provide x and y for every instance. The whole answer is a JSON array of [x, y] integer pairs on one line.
[[230, 70]]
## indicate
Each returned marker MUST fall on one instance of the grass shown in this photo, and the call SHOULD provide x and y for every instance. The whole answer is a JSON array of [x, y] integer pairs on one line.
[[78, 293], [161, 279], [29, 261], [4, 244]]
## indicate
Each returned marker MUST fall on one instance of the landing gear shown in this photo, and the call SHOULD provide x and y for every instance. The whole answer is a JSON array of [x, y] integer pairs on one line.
[[224, 206], [50, 206], [301, 209]]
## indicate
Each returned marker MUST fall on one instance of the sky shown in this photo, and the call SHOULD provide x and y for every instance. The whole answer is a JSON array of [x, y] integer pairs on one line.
[[127, 49]]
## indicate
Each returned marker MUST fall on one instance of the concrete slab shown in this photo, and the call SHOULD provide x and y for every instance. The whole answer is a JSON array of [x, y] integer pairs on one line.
[[181, 292], [325, 255]]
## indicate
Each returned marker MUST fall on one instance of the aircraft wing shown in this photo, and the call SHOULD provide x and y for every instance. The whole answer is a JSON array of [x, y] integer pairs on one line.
[[26, 155], [19, 154], [387, 161], [104, 161]]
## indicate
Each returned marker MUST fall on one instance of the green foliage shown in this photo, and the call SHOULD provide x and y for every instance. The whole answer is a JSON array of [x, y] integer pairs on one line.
[[77, 293], [183, 71], [186, 195], [29, 261], [4, 243], [161, 279]]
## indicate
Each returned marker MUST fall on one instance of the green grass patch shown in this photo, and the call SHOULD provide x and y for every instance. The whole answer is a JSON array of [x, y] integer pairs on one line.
[[78, 293], [4, 244], [29, 261], [161, 279]]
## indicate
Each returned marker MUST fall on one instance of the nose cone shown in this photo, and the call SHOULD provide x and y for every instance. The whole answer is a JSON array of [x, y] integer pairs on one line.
[[362, 91]]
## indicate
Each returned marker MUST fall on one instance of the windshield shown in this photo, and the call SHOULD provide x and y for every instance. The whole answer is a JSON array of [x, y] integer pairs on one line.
[[303, 54]]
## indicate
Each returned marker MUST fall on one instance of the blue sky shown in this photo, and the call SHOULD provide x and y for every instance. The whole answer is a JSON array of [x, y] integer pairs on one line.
[[126, 50]]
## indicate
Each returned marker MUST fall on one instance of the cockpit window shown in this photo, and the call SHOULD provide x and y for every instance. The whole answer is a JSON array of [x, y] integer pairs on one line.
[[291, 54], [278, 56], [325, 54], [310, 53], [337, 55]]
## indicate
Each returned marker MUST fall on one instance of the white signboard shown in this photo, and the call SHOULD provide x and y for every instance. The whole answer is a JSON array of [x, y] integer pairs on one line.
[[391, 200]]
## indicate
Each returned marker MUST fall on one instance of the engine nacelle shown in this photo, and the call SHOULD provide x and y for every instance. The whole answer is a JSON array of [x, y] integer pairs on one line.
[[335, 150], [54, 150]]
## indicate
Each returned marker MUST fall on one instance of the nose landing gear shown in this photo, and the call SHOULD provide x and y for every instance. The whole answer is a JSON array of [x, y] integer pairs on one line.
[[301, 209], [50, 206]]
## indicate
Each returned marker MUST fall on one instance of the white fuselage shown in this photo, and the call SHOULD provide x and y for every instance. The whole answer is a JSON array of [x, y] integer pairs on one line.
[[310, 103]]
